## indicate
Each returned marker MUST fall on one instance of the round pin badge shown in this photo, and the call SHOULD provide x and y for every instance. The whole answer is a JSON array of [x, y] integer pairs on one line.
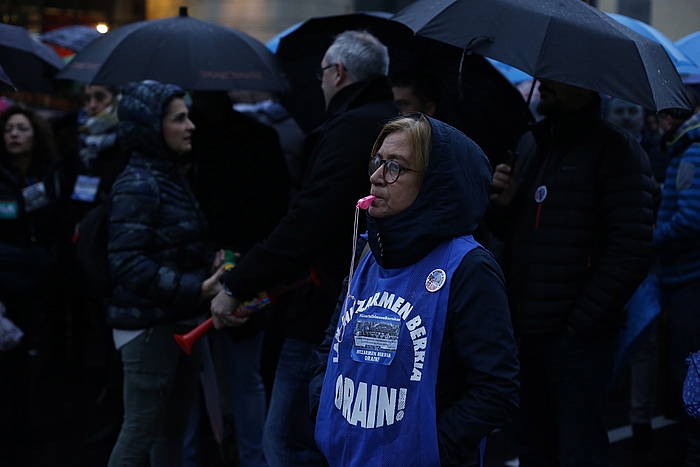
[[435, 280], [541, 193]]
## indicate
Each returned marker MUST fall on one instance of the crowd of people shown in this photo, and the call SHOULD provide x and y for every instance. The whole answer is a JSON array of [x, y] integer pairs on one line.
[[485, 291]]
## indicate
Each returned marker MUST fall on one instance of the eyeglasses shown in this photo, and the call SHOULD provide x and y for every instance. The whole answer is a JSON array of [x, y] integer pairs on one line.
[[391, 169], [319, 73]]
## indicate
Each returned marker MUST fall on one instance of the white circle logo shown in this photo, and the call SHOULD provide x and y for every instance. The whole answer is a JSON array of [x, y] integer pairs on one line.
[[435, 280], [541, 193]]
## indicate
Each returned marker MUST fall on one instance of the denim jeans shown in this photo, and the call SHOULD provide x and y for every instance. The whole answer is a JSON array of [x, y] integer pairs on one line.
[[159, 382], [245, 395], [288, 438], [562, 400]]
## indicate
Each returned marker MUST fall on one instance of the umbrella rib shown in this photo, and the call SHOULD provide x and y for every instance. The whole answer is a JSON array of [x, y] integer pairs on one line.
[[536, 69]]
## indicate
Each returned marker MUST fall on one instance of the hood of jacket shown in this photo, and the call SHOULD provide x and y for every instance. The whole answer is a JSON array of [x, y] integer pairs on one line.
[[141, 111], [688, 133], [452, 200]]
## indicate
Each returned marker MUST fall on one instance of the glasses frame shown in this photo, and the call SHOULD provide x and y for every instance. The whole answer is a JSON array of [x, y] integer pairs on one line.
[[384, 163]]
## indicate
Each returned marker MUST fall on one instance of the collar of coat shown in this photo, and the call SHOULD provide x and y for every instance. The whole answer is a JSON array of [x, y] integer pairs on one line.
[[359, 93]]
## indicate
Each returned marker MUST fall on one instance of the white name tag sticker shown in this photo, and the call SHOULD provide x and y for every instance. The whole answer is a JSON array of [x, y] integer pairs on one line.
[[85, 188], [35, 197], [9, 209]]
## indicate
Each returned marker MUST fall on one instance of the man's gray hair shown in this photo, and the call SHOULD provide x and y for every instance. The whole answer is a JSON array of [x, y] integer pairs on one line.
[[361, 53]]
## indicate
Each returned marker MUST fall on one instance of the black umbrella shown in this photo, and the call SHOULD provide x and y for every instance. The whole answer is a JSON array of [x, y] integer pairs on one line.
[[30, 64], [181, 50], [562, 40], [486, 103], [75, 37]]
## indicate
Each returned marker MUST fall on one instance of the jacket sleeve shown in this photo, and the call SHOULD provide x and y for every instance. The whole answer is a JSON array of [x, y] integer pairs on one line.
[[685, 222], [480, 335], [626, 192], [133, 222], [317, 210]]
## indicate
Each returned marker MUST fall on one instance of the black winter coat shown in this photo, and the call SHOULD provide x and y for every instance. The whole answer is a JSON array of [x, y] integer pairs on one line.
[[575, 258], [32, 242], [157, 254], [316, 232]]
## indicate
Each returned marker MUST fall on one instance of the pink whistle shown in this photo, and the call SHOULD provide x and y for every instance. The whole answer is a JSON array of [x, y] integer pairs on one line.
[[366, 202]]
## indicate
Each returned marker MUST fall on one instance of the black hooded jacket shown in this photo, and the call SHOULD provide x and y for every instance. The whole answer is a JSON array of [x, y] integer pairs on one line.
[[317, 229], [477, 388], [157, 256]]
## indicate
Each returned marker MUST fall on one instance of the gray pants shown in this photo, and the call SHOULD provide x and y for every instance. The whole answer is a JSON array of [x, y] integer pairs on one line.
[[159, 383]]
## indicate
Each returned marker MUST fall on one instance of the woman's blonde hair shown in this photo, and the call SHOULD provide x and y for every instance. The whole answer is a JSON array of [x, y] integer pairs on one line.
[[419, 132]]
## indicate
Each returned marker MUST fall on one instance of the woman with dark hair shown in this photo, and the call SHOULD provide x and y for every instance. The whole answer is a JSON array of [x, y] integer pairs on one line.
[[30, 214], [160, 271]]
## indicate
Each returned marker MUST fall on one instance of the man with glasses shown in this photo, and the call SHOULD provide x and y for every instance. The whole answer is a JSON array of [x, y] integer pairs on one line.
[[315, 235]]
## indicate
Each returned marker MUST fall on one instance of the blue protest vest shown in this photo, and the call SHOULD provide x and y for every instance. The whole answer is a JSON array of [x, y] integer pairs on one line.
[[377, 404]]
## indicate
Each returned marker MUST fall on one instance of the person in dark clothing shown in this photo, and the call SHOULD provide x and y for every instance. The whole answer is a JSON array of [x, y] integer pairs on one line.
[[455, 363], [159, 264], [100, 159], [231, 152], [267, 109], [576, 217], [415, 92], [314, 234], [94, 159], [677, 243], [31, 206]]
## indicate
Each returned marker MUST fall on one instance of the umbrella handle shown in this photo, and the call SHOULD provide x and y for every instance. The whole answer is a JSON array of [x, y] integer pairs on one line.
[[532, 91], [473, 43]]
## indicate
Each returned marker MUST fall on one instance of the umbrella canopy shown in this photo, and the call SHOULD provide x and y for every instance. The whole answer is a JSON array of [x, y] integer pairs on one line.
[[194, 54], [487, 107], [690, 46], [274, 43], [562, 40], [75, 37], [28, 63], [684, 64]]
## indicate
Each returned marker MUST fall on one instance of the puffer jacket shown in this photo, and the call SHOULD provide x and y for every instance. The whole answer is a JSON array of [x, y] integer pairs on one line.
[[677, 232], [157, 255], [578, 232]]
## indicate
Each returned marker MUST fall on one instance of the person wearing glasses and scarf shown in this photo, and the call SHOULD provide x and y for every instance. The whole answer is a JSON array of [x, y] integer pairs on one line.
[[100, 159], [419, 363]]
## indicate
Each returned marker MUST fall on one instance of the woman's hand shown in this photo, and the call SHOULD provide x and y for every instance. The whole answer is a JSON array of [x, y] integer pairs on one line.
[[212, 285], [222, 311]]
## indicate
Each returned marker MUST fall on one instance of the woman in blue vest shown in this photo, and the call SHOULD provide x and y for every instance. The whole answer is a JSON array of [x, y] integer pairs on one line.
[[419, 363]]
